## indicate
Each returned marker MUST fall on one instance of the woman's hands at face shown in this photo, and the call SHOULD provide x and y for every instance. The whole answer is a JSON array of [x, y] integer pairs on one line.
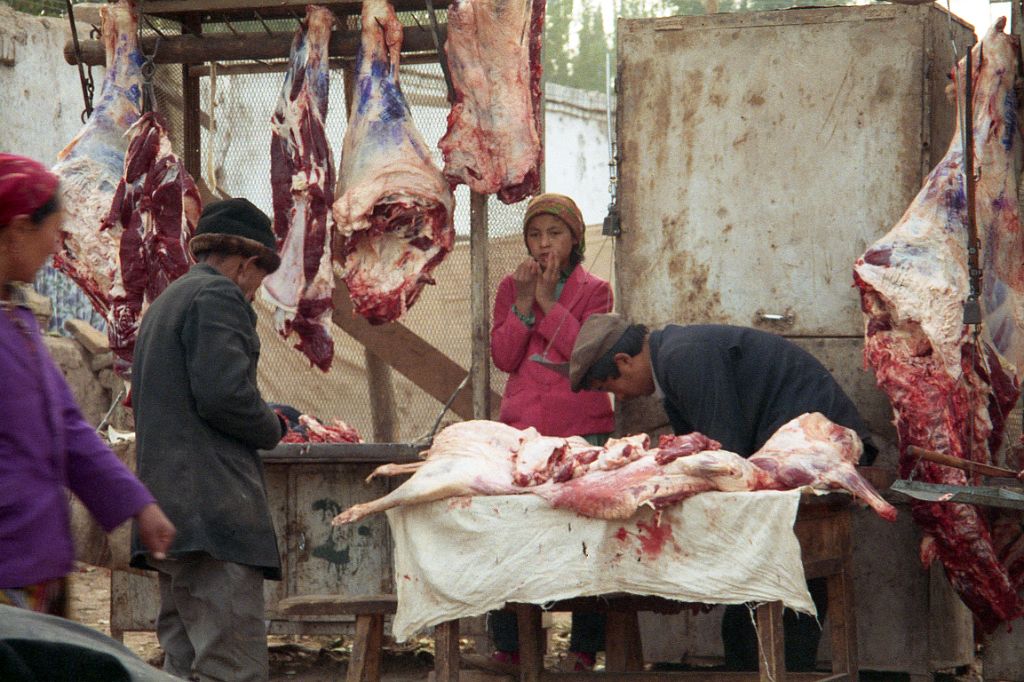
[[525, 277]]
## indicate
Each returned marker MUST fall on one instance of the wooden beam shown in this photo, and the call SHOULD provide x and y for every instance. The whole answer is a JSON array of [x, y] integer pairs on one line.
[[223, 47], [406, 352], [279, 66], [192, 142], [218, 10]]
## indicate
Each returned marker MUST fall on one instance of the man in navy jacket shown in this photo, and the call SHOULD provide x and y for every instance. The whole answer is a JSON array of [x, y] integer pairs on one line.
[[735, 385]]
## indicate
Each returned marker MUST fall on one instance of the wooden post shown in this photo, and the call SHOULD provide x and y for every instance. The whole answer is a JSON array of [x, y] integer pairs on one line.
[[378, 374], [192, 142], [479, 300]]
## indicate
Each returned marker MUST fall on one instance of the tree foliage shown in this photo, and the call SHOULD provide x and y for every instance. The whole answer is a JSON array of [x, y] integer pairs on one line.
[[576, 42]]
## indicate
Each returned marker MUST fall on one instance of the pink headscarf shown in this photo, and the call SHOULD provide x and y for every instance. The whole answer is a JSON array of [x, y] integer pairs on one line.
[[25, 185]]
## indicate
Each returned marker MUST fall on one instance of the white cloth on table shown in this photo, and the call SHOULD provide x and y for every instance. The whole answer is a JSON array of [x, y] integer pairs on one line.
[[465, 556]]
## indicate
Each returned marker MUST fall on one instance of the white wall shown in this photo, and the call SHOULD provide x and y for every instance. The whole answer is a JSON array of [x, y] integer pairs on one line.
[[42, 101]]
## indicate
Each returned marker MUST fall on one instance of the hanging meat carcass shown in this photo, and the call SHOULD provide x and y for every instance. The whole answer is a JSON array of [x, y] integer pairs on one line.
[[951, 390], [493, 139], [613, 482], [394, 207], [155, 210], [90, 167], [302, 182]]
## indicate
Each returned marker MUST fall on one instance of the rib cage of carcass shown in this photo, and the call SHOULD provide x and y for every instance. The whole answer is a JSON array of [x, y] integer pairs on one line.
[[302, 181], [91, 165], [951, 390], [615, 480], [155, 210], [493, 140], [394, 207]]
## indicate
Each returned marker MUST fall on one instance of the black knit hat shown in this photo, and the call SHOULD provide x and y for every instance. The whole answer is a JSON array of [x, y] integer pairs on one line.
[[236, 227]]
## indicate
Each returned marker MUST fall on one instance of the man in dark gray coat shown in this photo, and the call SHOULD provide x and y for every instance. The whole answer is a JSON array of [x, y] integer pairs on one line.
[[199, 421], [735, 385]]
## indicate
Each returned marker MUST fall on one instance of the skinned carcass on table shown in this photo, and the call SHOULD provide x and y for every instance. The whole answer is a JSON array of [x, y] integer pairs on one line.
[[302, 183], [490, 458], [155, 210], [467, 458], [394, 207], [951, 390], [91, 165], [493, 139]]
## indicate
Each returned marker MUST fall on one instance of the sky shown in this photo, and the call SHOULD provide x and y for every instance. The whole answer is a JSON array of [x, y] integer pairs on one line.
[[980, 13]]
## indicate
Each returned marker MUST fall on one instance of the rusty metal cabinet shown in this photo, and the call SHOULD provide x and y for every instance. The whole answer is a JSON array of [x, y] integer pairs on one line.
[[307, 485], [759, 155]]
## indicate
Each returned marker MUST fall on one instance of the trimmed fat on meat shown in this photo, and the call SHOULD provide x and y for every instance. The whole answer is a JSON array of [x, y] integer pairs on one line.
[[951, 390], [394, 207], [613, 482], [91, 165], [155, 210], [302, 182], [493, 139]]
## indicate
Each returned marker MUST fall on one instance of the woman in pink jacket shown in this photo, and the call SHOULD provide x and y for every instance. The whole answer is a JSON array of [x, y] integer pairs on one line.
[[538, 310]]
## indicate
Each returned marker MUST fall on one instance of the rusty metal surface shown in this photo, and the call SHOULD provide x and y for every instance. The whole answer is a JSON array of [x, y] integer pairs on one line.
[[761, 153]]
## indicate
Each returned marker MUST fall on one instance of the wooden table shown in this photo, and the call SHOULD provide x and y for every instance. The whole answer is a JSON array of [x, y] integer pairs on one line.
[[823, 529]]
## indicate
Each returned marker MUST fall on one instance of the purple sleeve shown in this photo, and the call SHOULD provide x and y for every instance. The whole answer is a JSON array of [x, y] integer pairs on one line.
[[107, 488]]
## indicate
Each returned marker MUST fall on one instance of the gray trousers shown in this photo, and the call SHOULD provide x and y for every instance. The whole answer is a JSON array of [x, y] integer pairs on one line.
[[211, 619]]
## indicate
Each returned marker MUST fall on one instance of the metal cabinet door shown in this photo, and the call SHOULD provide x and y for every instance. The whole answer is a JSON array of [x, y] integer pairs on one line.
[[319, 558], [760, 154]]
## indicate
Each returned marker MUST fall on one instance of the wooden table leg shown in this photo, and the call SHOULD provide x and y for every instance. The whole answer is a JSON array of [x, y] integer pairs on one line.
[[623, 651], [841, 614], [446, 651], [364, 664], [771, 650], [531, 642]]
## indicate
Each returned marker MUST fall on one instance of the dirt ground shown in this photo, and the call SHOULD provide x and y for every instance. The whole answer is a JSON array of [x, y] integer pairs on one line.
[[292, 658]]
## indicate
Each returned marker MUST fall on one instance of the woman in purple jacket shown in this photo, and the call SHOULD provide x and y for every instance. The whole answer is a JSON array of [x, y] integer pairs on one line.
[[538, 311], [46, 446]]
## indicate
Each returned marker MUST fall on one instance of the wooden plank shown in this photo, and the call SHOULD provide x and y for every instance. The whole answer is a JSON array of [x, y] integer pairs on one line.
[[446, 651], [408, 353], [364, 664], [771, 660], [695, 675], [337, 604], [479, 306], [198, 49], [341, 453], [622, 642]]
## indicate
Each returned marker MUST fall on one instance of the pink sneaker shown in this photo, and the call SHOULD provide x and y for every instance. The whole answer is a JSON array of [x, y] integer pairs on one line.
[[584, 661], [506, 657]]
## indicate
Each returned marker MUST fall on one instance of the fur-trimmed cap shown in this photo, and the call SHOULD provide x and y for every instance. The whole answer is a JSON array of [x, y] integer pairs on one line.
[[236, 227]]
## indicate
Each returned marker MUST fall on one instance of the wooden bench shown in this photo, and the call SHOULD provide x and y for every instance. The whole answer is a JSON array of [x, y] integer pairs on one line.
[[369, 610]]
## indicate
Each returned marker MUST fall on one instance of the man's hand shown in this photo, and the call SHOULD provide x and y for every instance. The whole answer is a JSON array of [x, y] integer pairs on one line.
[[546, 284], [155, 530], [525, 278]]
